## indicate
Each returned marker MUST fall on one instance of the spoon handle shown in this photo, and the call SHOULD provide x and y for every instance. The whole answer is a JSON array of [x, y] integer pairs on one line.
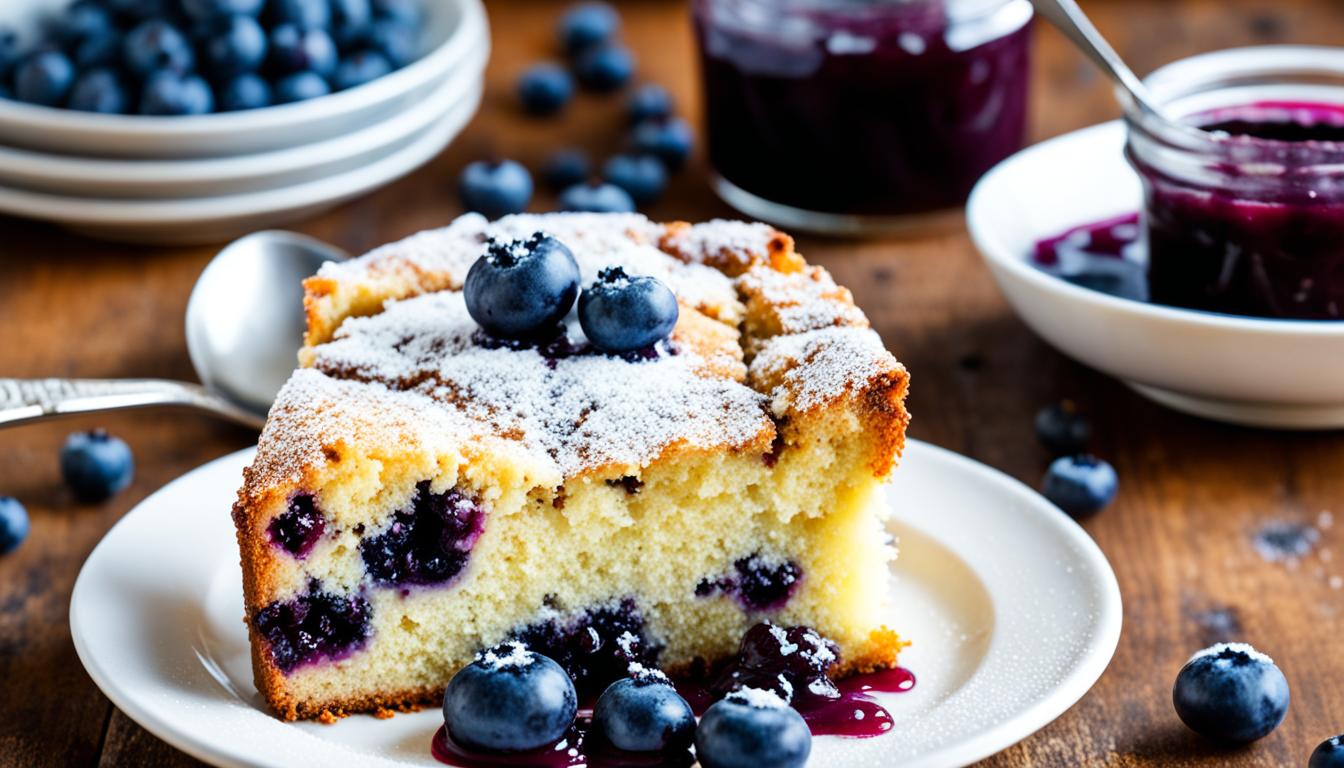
[[1070, 19], [25, 400]]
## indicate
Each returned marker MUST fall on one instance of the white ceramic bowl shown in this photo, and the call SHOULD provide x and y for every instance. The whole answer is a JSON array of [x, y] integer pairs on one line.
[[65, 175], [1251, 371], [452, 30]]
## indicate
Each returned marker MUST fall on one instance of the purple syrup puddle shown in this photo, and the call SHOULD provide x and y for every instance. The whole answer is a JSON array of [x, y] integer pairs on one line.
[[757, 583], [1104, 256], [314, 626], [427, 544], [578, 747], [298, 529], [595, 646]]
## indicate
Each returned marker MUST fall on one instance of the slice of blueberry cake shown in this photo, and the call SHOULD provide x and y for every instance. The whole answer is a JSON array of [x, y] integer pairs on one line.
[[461, 461]]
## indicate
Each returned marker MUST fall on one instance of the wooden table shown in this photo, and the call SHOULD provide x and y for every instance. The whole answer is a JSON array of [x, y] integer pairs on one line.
[[1181, 536]]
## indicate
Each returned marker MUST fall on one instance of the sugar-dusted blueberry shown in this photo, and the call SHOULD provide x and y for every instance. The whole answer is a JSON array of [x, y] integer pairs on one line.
[[300, 86], [545, 88], [620, 313], [170, 93], [306, 14], [495, 188], [96, 465], [605, 68], [99, 90], [235, 45], [297, 49], [13, 524], [397, 40], [359, 68], [509, 700], [204, 10], [1062, 429], [669, 140], [1231, 692], [350, 20], [644, 713], [154, 46], [596, 197], [588, 24], [752, 728], [1080, 485], [1328, 754], [793, 662], [313, 626], [649, 102], [521, 288], [564, 168], [642, 176], [45, 78], [247, 91]]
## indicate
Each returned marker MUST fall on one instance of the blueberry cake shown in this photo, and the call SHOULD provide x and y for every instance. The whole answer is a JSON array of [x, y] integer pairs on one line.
[[424, 489]]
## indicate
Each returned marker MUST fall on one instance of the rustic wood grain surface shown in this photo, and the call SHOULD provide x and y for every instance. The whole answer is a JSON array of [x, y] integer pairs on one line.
[[1181, 537]]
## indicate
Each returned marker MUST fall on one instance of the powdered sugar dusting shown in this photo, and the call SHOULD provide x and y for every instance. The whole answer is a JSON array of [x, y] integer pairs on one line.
[[1242, 648], [800, 301], [722, 240], [809, 370], [505, 655], [757, 697]]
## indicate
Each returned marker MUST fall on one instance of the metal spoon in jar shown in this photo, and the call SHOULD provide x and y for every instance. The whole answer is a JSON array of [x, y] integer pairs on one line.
[[244, 323]]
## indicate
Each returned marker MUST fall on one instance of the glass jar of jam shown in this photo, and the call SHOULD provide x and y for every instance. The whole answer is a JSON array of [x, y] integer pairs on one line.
[[1244, 194], [852, 115]]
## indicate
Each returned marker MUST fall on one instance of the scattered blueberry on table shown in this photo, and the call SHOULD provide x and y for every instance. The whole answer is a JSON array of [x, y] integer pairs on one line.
[[188, 57], [509, 700], [605, 68], [495, 188], [596, 197], [1080, 485], [96, 465], [752, 728], [644, 713], [564, 168], [1062, 429], [649, 102], [670, 140], [1328, 754], [1231, 692], [13, 524], [642, 176], [545, 88], [521, 288], [620, 313], [587, 25]]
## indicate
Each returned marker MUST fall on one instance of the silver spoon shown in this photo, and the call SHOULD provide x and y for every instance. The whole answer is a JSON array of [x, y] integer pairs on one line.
[[1070, 19], [244, 324]]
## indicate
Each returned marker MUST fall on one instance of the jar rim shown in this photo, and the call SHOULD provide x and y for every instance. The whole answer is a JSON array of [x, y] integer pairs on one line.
[[956, 11]]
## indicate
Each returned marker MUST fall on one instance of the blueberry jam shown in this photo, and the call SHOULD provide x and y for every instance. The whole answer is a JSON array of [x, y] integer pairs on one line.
[[314, 626], [595, 646], [878, 108], [577, 748], [1105, 256], [758, 583], [298, 528], [427, 544]]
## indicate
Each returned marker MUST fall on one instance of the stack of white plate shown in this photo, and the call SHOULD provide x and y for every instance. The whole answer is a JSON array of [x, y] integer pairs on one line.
[[212, 177]]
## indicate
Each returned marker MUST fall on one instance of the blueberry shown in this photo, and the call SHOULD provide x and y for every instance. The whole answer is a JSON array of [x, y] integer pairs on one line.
[[408, 12], [649, 102], [11, 50], [13, 524], [587, 25], [300, 86], [509, 700], [295, 49], [1328, 754], [596, 198], [306, 14], [98, 90], [1231, 692], [204, 10], [44, 78], [752, 728], [545, 88], [244, 92], [565, 168], [102, 50], [238, 45], [96, 465], [427, 543], [398, 41], [523, 287], [1080, 485], [350, 20], [359, 68], [156, 45], [644, 714], [605, 68], [1062, 430], [621, 314], [643, 176], [170, 93], [81, 20], [495, 189], [139, 10], [790, 661], [314, 625], [669, 140]]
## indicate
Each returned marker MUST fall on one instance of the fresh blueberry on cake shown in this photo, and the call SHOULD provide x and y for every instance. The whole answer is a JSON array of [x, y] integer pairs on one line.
[[750, 728], [509, 699], [438, 479], [644, 713]]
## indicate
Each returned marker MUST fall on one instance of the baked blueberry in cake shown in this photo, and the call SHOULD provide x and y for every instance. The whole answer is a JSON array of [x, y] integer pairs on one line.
[[469, 455]]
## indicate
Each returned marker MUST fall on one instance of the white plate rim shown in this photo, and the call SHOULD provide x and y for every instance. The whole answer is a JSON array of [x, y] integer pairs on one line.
[[1074, 686]]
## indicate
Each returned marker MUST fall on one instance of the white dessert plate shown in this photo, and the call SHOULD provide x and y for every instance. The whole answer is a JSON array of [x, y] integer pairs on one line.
[[1013, 610], [1244, 370]]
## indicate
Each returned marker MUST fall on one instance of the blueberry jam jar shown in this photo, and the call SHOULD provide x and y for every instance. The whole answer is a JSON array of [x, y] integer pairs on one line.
[[855, 116], [1244, 195]]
